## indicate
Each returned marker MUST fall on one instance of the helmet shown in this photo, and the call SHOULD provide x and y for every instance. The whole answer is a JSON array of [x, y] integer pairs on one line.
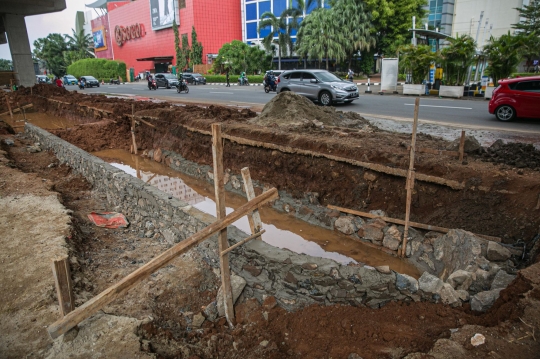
[[271, 73]]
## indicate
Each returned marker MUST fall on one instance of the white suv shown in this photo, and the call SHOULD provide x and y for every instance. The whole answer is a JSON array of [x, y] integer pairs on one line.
[[318, 85]]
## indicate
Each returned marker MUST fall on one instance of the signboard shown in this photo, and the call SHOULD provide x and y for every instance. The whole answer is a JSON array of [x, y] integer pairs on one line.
[[100, 43], [162, 13], [389, 74], [131, 32]]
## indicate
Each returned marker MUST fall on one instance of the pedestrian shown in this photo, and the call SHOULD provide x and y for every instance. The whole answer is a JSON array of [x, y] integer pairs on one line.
[[351, 75], [228, 83]]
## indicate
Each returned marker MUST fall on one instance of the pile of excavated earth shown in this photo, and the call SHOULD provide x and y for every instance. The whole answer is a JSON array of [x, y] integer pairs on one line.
[[477, 294]]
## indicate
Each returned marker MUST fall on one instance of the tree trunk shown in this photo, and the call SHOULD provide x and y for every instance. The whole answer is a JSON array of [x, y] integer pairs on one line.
[[350, 60], [326, 60], [279, 58]]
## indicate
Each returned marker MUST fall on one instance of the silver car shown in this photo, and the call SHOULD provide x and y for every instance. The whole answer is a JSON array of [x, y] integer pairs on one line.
[[318, 85]]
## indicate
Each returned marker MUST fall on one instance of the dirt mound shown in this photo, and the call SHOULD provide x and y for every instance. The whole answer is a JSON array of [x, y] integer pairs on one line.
[[517, 154], [105, 134], [46, 90], [5, 128], [290, 109]]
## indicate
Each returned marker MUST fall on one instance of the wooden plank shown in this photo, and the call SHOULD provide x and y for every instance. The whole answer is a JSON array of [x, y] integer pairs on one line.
[[243, 241], [402, 222], [61, 326], [410, 178], [64, 287], [254, 219], [9, 107], [219, 187], [140, 118], [133, 129], [462, 145], [435, 152]]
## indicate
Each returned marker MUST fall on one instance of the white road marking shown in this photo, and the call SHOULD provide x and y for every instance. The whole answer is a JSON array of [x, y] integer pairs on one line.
[[227, 93], [460, 108]]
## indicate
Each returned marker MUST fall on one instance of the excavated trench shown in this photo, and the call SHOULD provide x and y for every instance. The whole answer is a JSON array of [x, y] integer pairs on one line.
[[494, 198]]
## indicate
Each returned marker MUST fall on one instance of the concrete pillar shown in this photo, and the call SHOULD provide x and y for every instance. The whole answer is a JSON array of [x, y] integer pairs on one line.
[[19, 46]]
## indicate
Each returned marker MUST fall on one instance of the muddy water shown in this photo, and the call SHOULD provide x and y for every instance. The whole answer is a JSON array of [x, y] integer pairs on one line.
[[40, 119], [282, 230]]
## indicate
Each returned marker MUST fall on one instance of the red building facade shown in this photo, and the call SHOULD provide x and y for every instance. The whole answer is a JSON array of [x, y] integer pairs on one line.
[[134, 41]]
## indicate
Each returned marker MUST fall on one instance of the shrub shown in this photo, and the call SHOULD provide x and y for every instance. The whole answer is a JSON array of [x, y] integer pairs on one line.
[[523, 74], [253, 79], [101, 69]]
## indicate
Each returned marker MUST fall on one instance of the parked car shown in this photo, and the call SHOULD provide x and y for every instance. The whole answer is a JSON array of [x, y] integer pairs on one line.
[[166, 80], [91, 81], [519, 97], [194, 78], [318, 85], [42, 79], [70, 80]]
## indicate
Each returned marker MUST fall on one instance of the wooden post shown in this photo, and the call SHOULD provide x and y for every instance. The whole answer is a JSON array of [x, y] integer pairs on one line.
[[133, 128], [61, 326], [243, 241], [410, 178], [217, 154], [64, 288], [137, 167], [462, 145], [255, 218], [9, 107]]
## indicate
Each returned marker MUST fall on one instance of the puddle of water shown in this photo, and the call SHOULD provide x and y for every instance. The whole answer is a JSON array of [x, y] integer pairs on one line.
[[282, 230], [40, 119]]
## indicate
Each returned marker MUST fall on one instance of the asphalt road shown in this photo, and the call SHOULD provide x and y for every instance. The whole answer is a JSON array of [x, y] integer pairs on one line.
[[462, 113]]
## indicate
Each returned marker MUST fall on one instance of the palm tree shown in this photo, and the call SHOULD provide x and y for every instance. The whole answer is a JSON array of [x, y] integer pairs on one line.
[[81, 44], [359, 36], [319, 37], [457, 57], [279, 28]]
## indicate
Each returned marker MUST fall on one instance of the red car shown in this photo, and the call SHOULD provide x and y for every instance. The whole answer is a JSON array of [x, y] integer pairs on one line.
[[519, 97]]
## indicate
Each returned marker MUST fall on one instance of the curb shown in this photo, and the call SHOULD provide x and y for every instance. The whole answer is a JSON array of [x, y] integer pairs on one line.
[[376, 83], [232, 84]]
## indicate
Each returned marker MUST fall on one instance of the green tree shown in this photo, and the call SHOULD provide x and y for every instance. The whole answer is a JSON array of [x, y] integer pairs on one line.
[[186, 50], [6, 65], [319, 37], [278, 27], [531, 18], [417, 60], [196, 48], [503, 55], [392, 19], [238, 56], [457, 57], [354, 21], [180, 59], [80, 45], [529, 48], [51, 50]]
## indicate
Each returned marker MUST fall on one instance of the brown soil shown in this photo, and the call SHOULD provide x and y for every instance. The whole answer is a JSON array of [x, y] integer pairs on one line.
[[101, 256]]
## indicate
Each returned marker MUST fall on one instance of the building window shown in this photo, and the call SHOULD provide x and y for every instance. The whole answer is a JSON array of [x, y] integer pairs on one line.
[[279, 6], [264, 6], [251, 30], [251, 12]]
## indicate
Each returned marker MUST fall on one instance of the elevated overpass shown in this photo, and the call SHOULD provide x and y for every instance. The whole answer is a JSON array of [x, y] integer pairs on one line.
[[12, 24]]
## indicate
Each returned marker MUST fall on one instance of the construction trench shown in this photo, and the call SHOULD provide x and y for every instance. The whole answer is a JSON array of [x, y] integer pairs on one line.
[[471, 258]]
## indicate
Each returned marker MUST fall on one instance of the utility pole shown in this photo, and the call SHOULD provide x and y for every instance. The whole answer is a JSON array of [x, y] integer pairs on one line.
[[480, 47], [414, 32]]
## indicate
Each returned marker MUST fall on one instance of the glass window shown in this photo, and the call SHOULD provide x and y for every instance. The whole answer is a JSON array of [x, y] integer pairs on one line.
[[265, 32], [328, 77], [251, 30], [307, 76], [251, 12], [264, 6], [279, 6], [528, 86], [295, 76]]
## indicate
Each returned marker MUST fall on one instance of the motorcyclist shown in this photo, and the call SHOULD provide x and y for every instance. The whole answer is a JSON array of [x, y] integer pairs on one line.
[[271, 80], [149, 78], [59, 82], [181, 80], [243, 78], [82, 83]]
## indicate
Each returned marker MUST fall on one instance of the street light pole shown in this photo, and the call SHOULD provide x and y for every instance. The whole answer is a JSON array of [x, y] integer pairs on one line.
[[476, 41]]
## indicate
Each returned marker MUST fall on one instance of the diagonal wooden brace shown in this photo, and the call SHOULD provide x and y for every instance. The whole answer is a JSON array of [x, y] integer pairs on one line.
[[254, 218]]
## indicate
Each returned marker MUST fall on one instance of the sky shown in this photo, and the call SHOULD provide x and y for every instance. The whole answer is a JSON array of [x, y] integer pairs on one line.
[[42, 25]]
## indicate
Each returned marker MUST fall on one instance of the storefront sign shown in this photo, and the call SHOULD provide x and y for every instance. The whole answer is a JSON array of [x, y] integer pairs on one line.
[[162, 13], [123, 34], [100, 43]]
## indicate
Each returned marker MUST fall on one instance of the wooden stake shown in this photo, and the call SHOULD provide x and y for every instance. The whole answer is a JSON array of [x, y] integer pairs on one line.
[[254, 219], [462, 145], [133, 129], [9, 107], [138, 171], [64, 287], [410, 178], [61, 326], [402, 222], [243, 241], [217, 154]]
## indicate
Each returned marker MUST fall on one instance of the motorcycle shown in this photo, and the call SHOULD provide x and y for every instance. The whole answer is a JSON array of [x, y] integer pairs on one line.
[[243, 83], [269, 87], [182, 87], [115, 82], [81, 85], [152, 85]]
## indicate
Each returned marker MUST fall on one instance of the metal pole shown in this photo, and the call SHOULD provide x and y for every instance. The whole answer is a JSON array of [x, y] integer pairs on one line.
[[414, 32], [480, 46], [476, 41]]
